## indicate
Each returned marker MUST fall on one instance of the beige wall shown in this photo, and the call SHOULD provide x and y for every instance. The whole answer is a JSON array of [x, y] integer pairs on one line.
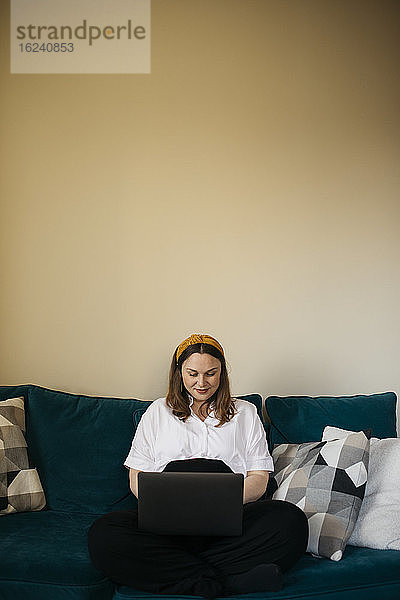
[[248, 187]]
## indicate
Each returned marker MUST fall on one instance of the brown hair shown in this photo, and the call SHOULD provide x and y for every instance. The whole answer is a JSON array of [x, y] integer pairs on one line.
[[178, 398]]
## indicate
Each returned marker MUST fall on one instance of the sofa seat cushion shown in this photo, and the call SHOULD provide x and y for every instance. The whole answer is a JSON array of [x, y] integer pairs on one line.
[[47, 548], [362, 574]]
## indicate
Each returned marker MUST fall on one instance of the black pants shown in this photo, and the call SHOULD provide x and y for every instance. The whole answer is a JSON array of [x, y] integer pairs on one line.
[[273, 532]]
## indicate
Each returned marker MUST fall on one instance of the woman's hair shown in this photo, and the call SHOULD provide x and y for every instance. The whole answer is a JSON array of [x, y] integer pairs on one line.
[[178, 397]]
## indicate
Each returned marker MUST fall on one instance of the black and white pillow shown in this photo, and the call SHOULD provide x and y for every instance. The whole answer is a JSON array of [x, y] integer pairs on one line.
[[20, 487], [327, 481], [378, 524]]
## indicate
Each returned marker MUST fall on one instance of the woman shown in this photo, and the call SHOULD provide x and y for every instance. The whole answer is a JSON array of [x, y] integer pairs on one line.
[[200, 427]]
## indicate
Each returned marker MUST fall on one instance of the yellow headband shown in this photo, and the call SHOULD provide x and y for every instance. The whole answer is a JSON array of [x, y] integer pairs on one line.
[[198, 338]]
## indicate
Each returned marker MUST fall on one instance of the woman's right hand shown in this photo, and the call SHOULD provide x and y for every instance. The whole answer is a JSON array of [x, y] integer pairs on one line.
[[133, 481]]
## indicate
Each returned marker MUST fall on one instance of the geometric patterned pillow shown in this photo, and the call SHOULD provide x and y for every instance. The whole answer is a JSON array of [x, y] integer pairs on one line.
[[20, 487], [378, 524], [327, 481]]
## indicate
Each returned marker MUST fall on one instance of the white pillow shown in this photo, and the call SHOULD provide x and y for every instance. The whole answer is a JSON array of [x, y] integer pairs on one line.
[[378, 523]]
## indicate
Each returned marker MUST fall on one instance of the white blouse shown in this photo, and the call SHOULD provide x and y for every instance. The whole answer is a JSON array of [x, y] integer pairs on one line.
[[161, 437]]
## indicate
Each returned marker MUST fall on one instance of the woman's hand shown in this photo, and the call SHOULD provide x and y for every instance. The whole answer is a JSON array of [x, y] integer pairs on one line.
[[255, 484], [133, 481]]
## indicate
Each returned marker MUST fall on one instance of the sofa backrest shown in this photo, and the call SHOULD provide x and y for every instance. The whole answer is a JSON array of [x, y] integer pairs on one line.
[[298, 419], [79, 444]]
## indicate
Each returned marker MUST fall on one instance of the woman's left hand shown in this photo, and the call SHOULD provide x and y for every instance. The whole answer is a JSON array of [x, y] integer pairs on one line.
[[255, 484]]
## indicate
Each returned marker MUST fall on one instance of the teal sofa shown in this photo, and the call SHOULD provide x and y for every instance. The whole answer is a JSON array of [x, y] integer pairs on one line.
[[78, 444]]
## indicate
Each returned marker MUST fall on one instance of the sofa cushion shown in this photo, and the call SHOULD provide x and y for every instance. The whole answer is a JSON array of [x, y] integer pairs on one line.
[[79, 444], [65, 430], [327, 481], [362, 574], [44, 555], [297, 419], [20, 487]]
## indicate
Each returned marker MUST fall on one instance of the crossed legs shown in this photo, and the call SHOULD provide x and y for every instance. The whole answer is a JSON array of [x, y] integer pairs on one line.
[[274, 533]]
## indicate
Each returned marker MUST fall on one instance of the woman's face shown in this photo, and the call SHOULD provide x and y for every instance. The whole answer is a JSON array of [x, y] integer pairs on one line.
[[201, 374]]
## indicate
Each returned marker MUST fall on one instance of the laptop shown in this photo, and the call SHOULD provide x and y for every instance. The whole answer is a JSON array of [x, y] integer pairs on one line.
[[173, 503]]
